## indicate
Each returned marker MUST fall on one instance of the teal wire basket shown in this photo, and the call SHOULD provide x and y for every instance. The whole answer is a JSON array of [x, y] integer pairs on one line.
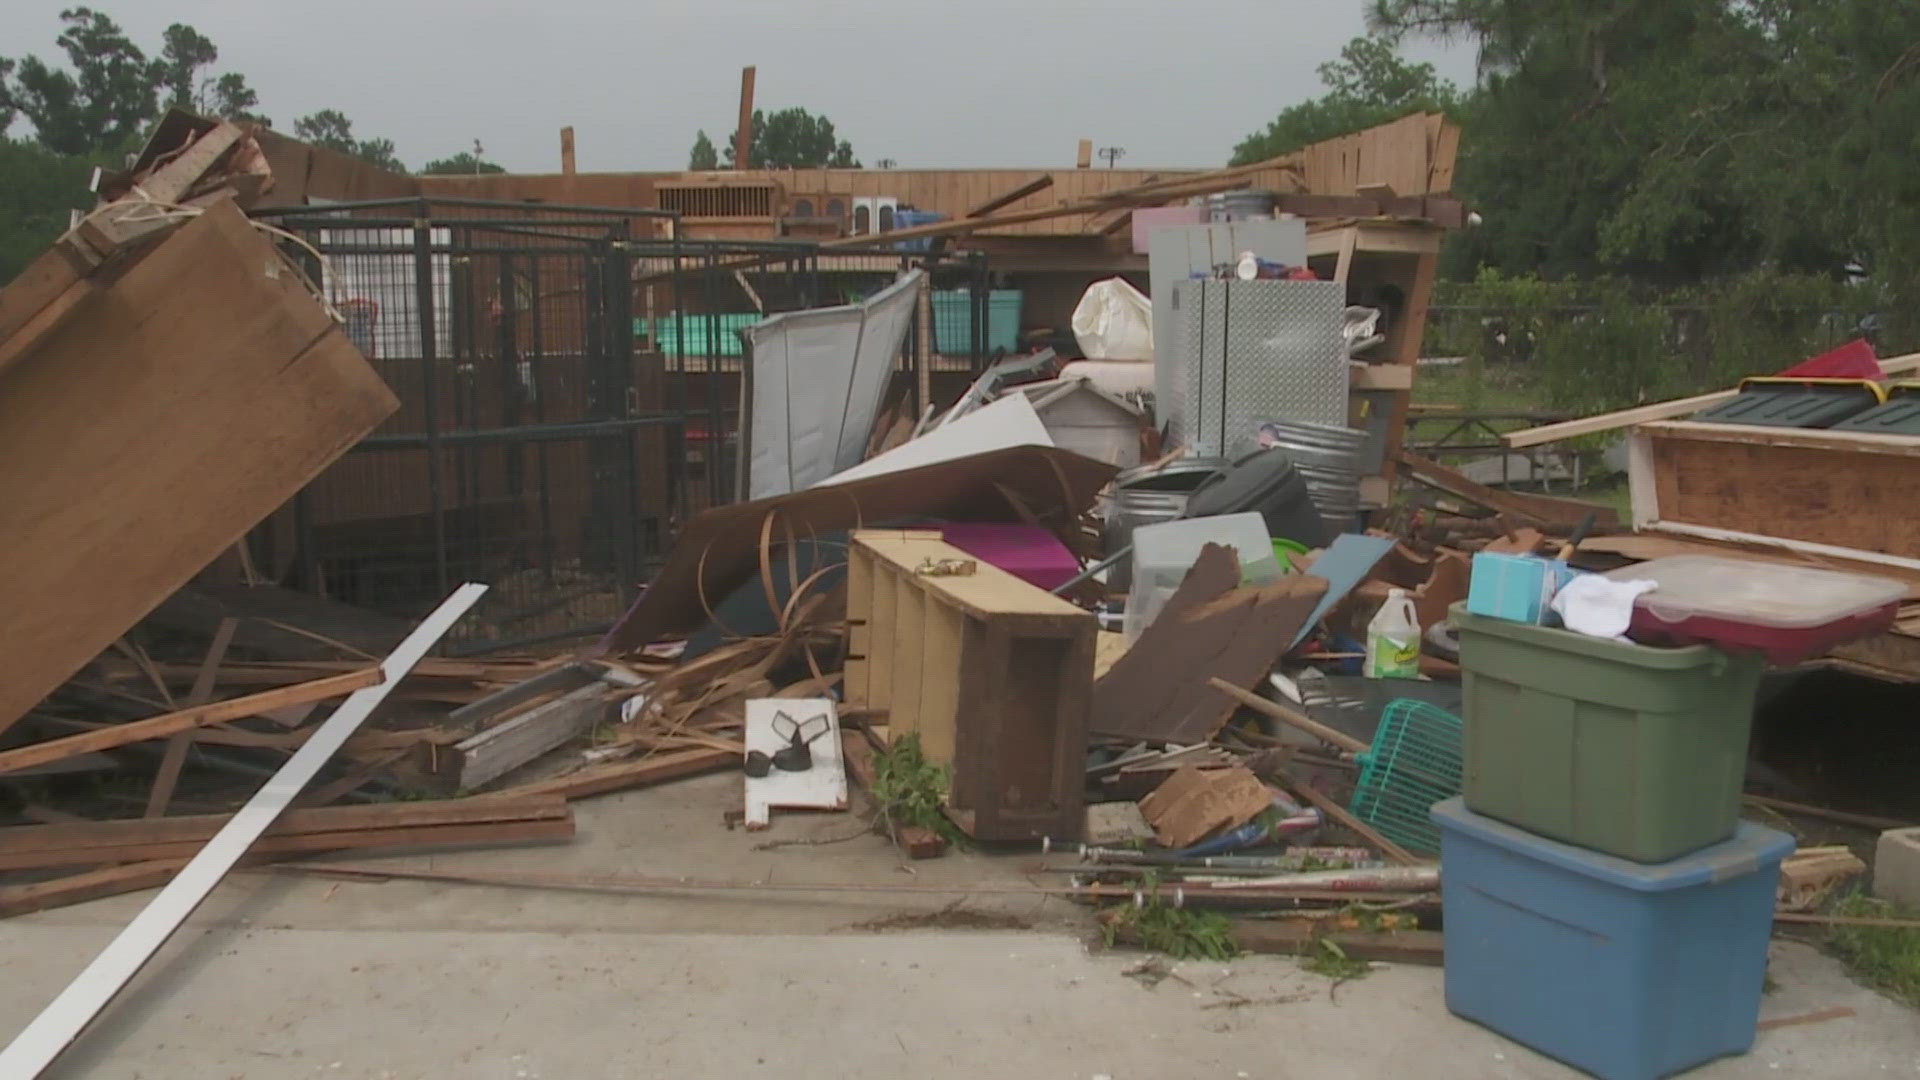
[[1416, 760]]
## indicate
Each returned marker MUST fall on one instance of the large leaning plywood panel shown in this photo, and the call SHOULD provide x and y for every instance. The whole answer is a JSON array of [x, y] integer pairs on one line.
[[153, 429]]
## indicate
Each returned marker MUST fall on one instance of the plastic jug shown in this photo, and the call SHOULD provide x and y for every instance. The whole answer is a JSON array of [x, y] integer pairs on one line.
[[1393, 640]]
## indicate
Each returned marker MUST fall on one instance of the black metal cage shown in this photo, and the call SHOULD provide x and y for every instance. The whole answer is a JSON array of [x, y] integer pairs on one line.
[[569, 386]]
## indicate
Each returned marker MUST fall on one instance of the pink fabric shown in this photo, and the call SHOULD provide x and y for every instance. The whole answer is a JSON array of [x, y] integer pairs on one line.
[[1028, 552], [1854, 360]]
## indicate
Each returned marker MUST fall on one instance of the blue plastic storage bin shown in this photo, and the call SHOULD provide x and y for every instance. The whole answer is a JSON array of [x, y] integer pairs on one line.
[[1628, 970], [953, 321]]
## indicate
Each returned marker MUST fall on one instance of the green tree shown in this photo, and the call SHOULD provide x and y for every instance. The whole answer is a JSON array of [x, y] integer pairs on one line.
[[1369, 84], [704, 157], [793, 139], [38, 189], [183, 56], [464, 163], [7, 110], [331, 128], [105, 101]]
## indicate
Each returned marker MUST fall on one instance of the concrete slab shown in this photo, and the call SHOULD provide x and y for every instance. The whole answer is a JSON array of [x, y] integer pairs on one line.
[[295, 977]]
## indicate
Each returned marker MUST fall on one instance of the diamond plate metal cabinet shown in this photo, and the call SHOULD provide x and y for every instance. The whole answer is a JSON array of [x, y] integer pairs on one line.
[[1258, 350]]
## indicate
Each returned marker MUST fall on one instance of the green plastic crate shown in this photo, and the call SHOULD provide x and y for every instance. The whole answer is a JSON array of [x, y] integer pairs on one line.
[[1414, 762], [1626, 749], [953, 321], [676, 336]]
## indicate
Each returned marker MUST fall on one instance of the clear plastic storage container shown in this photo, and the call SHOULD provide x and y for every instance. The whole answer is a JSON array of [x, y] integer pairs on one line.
[[1162, 555], [1790, 613]]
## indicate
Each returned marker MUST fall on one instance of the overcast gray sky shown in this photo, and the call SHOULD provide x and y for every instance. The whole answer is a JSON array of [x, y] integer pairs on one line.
[[925, 82]]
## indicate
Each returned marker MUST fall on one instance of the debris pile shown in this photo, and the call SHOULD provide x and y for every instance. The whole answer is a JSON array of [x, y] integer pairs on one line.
[[1246, 694]]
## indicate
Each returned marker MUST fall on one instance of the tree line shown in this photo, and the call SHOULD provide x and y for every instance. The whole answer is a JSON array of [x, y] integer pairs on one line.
[[94, 108], [1666, 143]]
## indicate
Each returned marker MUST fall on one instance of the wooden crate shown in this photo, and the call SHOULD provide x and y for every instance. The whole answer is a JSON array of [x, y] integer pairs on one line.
[[993, 674], [1836, 493]]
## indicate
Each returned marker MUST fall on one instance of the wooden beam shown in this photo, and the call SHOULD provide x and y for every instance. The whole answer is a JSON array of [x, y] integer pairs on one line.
[[1300, 937], [1546, 509], [1288, 716], [618, 776], [743, 132], [218, 712], [1007, 198], [322, 829], [87, 885], [176, 756], [1334, 810]]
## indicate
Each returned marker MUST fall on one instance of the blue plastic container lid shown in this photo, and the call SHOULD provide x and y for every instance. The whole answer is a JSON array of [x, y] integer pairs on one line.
[[1751, 848]]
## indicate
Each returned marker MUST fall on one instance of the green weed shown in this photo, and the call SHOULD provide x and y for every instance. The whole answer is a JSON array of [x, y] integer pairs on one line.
[[910, 790], [1887, 958]]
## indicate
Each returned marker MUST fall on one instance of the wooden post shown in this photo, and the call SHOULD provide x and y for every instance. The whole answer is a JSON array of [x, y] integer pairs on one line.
[[1085, 160], [743, 134], [566, 150], [923, 347]]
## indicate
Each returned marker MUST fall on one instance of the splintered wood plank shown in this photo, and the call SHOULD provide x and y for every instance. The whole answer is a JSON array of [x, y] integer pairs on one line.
[[619, 776], [176, 756], [1159, 690], [204, 387], [322, 829], [157, 727]]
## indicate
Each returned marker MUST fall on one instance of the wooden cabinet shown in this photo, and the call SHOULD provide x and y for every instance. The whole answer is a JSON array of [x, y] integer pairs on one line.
[[993, 674]]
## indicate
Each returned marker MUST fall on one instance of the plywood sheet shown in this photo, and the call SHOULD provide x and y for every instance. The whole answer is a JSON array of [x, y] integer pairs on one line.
[[1843, 497], [148, 434]]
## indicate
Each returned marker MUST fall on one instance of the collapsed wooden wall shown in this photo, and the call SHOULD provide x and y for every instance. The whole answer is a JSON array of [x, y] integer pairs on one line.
[[1414, 155], [1845, 489], [174, 410]]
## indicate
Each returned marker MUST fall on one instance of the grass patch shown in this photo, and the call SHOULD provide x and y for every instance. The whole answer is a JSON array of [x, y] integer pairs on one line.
[[1182, 933], [1886, 958], [1329, 959], [910, 790]]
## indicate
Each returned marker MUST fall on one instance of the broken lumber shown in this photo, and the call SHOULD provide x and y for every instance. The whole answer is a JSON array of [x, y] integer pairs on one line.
[[323, 829], [55, 1028], [208, 385], [619, 776], [506, 746], [1285, 715], [1334, 810], [1300, 937], [84, 886], [218, 712], [1158, 691], [1545, 509]]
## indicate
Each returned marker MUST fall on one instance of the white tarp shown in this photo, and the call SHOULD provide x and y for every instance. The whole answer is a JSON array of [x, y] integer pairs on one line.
[[817, 380], [1010, 421]]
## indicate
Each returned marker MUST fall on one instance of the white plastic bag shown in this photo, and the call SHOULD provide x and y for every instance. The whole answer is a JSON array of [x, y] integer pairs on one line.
[[1114, 321]]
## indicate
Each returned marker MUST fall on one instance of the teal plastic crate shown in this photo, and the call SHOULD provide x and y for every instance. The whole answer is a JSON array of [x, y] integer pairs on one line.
[[953, 321], [1417, 759], [688, 336]]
